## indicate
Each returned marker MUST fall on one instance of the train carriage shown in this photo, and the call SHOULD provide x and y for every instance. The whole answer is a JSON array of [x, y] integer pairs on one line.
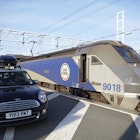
[[106, 67]]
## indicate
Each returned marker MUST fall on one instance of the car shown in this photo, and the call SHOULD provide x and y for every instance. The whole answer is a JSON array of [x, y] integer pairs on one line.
[[21, 100]]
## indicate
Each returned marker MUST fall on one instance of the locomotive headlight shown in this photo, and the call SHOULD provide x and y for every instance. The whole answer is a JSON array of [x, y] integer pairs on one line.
[[42, 96]]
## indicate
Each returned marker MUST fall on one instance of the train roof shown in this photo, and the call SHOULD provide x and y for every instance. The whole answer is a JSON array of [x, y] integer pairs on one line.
[[87, 44], [56, 54], [71, 51]]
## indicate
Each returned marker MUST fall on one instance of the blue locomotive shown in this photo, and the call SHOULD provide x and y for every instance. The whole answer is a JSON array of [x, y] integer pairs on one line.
[[109, 68]]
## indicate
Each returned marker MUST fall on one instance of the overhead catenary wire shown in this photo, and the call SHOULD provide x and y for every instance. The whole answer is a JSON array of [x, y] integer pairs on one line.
[[93, 26], [70, 15], [103, 37], [83, 16]]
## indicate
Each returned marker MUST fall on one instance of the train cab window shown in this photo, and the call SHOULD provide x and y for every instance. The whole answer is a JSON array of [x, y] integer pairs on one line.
[[136, 56], [128, 54], [95, 61]]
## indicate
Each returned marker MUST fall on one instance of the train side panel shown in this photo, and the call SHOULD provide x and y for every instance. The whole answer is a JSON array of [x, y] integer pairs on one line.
[[61, 71]]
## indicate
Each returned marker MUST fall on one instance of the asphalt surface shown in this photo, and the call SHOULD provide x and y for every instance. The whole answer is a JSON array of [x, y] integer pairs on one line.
[[71, 118]]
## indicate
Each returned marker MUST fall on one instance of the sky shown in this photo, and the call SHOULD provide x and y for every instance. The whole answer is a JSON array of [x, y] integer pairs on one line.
[[88, 20]]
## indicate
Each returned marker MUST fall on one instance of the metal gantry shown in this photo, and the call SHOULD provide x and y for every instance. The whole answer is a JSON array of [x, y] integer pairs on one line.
[[29, 43]]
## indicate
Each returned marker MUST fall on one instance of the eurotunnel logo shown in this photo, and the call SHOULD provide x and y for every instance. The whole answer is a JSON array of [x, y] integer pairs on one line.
[[65, 71]]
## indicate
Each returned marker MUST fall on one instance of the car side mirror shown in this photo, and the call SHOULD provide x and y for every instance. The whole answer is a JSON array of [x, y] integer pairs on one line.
[[36, 81]]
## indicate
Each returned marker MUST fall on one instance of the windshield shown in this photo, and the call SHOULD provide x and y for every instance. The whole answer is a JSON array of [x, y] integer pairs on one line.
[[130, 55], [15, 78]]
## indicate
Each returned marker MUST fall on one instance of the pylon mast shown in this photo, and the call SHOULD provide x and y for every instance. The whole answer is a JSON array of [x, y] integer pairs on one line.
[[120, 26]]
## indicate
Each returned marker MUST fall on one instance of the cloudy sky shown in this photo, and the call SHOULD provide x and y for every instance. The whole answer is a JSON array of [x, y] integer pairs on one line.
[[80, 19]]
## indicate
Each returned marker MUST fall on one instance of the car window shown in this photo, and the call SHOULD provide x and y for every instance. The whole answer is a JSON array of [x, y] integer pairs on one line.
[[15, 78]]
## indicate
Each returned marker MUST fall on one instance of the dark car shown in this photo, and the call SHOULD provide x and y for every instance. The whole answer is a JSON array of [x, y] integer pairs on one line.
[[21, 100]]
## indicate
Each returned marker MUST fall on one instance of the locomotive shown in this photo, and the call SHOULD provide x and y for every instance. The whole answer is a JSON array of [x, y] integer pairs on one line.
[[109, 68]]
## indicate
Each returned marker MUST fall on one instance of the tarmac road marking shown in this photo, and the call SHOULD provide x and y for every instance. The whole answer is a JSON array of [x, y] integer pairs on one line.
[[67, 127], [9, 133], [136, 120], [52, 96]]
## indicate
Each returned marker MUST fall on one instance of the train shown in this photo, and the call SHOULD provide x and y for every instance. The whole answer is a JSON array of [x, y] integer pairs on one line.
[[108, 68]]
